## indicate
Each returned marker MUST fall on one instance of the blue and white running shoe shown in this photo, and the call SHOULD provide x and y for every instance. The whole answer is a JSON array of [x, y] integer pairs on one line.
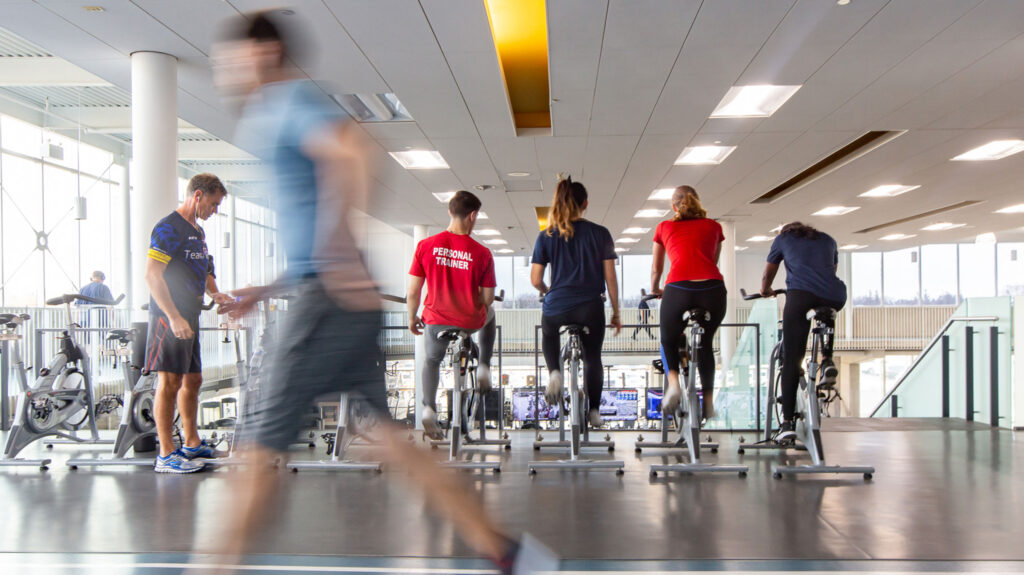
[[203, 451], [177, 462]]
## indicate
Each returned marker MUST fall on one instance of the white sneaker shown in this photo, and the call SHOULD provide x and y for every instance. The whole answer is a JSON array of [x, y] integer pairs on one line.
[[554, 391], [595, 418], [670, 402], [483, 378], [430, 427]]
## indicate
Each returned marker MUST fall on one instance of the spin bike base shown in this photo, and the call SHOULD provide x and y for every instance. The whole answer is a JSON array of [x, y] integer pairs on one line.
[[43, 464], [779, 470], [771, 446], [328, 465], [50, 444], [470, 443], [577, 464], [116, 462], [494, 466], [566, 444], [641, 445], [699, 468]]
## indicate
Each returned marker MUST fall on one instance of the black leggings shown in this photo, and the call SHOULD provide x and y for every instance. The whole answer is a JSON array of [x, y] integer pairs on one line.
[[590, 315], [679, 298], [795, 327]]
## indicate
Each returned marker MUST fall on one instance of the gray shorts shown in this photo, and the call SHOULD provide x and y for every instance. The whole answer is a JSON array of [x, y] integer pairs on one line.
[[323, 350]]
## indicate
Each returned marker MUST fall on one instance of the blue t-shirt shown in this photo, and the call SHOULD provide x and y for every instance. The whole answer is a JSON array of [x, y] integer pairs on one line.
[[94, 289], [275, 124], [577, 265], [810, 264], [182, 247]]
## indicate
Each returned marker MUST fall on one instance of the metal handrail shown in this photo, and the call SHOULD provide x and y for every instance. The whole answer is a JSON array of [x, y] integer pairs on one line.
[[925, 351]]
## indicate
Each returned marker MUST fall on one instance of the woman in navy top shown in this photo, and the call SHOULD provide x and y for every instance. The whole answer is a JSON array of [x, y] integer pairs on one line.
[[582, 259], [812, 259]]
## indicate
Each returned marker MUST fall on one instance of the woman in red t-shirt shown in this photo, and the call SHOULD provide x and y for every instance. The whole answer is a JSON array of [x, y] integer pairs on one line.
[[693, 243]]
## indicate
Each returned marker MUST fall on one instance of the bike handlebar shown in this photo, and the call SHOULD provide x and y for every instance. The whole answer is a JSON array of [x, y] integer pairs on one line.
[[748, 297], [70, 297], [650, 296], [500, 296], [204, 307]]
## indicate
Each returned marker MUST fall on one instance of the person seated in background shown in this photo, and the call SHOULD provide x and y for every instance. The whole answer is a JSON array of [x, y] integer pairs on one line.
[[693, 243], [459, 274], [582, 259], [812, 259]]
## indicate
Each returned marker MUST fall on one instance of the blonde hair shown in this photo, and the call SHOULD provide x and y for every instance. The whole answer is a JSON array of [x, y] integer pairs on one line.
[[566, 207], [686, 204]]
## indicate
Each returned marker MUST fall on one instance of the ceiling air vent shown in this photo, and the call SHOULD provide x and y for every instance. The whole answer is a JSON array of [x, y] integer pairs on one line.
[[920, 216], [830, 163]]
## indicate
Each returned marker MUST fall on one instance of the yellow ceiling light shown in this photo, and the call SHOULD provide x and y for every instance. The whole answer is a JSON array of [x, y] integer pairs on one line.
[[542, 216], [520, 32]]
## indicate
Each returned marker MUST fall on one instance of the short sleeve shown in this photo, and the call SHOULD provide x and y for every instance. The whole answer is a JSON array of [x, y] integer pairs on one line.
[[721, 235], [540, 252], [775, 255], [164, 243], [487, 279], [416, 269], [607, 245], [658, 238], [309, 113]]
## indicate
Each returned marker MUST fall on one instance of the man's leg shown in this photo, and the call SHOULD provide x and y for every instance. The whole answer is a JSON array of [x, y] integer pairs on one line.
[[431, 373], [486, 336], [188, 407], [168, 385]]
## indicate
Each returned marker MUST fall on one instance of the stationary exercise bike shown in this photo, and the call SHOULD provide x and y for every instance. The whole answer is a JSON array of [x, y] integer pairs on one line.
[[811, 391], [572, 359], [60, 401], [688, 415]]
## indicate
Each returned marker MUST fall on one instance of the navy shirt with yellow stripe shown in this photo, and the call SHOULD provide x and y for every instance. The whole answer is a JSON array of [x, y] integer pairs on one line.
[[182, 247]]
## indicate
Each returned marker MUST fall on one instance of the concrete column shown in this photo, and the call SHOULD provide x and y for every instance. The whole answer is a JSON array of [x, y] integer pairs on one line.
[[727, 265], [126, 237], [849, 386], [155, 153], [419, 233]]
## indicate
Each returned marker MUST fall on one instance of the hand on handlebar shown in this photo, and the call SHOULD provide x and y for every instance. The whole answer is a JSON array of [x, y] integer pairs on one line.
[[767, 291], [416, 325], [181, 328]]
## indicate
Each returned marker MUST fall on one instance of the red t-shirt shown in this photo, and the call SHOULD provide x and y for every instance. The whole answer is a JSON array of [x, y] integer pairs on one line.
[[691, 246], [455, 268]]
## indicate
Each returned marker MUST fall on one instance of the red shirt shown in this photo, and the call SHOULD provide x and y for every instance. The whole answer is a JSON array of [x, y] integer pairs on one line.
[[691, 246], [455, 267]]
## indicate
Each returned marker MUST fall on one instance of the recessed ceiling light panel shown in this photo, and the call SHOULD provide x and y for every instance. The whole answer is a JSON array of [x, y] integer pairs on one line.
[[835, 211], [760, 239], [995, 150], [518, 174], [740, 248], [636, 230], [662, 194], [851, 247], [621, 250], [651, 213], [1018, 209], [753, 101], [888, 191], [443, 197], [487, 232], [496, 242], [703, 156], [420, 160], [986, 238], [942, 226], [626, 241], [504, 251], [897, 237]]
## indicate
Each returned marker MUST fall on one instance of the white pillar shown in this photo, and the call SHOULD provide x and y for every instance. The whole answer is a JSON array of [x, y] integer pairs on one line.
[[419, 233], [154, 152], [126, 236], [1018, 366], [846, 265], [727, 265]]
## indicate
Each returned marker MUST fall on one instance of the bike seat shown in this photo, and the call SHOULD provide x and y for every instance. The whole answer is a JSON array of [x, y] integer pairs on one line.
[[823, 313], [124, 335], [574, 329], [452, 334], [697, 314], [6, 318]]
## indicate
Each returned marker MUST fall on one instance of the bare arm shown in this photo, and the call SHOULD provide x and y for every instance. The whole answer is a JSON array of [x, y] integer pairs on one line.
[[412, 304], [162, 297], [612, 280], [486, 297], [770, 270], [537, 278], [657, 267]]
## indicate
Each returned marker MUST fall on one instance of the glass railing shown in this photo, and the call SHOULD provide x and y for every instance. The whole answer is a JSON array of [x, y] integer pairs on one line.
[[963, 372]]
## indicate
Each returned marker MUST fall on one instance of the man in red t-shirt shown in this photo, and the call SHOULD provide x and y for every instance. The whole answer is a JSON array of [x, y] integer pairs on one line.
[[459, 273]]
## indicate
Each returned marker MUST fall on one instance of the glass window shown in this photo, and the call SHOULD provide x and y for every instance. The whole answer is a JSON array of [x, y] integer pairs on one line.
[[867, 278], [938, 274], [526, 296], [1010, 268], [977, 270], [636, 275], [901, 274], [505, 276]]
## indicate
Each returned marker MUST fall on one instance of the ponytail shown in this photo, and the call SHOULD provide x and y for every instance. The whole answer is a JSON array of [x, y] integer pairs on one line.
[[686, 204], [566, 207]]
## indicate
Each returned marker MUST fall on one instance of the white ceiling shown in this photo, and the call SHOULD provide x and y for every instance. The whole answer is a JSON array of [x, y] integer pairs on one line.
[[632, 83]]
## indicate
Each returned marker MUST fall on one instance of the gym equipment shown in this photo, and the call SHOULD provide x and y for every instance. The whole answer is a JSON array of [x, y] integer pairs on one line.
[[572, 357], [61, 393], [688, 414], [808, 407]]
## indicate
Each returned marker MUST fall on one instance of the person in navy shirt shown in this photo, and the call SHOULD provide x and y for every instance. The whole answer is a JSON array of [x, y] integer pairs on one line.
[[812, 258], [582, 259], [179, 269]]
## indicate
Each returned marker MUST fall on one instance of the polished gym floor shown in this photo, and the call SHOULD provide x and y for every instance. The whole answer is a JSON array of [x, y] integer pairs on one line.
[[947, 496]]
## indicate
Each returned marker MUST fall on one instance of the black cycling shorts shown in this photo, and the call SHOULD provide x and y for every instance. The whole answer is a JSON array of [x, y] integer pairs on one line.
[[165, 352]]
